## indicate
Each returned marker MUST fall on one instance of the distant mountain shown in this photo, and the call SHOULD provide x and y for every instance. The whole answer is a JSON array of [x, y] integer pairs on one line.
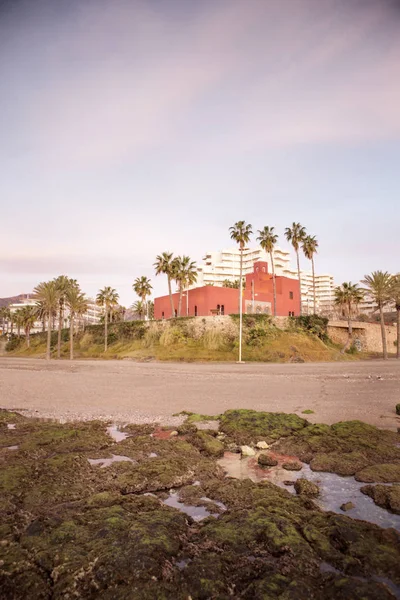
[[12, 299]]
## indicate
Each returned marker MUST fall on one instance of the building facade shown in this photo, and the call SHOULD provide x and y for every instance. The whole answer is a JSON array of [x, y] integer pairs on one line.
[[222, 266], [258, 297]]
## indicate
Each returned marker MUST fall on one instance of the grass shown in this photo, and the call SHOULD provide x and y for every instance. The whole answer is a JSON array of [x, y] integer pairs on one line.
[[174, 343], [308, 411]]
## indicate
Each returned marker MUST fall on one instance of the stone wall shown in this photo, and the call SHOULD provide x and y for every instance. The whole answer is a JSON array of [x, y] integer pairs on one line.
[[367, 335]]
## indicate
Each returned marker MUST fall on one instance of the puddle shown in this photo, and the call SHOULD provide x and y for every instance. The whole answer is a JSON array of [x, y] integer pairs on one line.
[[12, 447], [106, 462], [116, 434], [11, 426], [335, 490], [181, 564], [153, 455], [198, 513]]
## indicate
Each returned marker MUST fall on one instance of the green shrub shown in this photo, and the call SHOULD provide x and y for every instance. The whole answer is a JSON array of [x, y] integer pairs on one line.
[[13, 343], [312, 324]]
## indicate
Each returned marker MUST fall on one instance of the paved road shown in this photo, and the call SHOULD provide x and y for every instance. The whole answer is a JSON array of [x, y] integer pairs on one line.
[[127, 390]]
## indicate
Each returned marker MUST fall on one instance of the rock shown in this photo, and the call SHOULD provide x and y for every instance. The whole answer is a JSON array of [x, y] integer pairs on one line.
[[266, 460], [347, 506], [234, 448], [387, 496], [186, 428], [208, 444], [397, 409], [306, 488], [262, 445], [292, 466], [288, 482], [247, 451], [173, 434], [383, 473]]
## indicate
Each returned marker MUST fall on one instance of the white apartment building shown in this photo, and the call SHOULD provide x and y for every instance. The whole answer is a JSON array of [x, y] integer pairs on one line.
[[225, 264]]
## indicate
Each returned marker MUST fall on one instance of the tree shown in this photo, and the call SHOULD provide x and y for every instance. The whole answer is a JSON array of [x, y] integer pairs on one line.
[[107, 298], [63, 284], [347, 297], [267, 240], [231, 284], [395, 297], [378, 285], [296, 235], [240, 233], [310, 246], [5, 317], [29, 315], [17, 317], [185, 275], [164, 265], [139, 309], [46, 295], [142, 287], [77, 304]]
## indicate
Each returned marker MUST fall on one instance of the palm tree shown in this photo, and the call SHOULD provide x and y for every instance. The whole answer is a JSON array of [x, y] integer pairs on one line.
[[296, 235], [29, 315], [142, 287], [240, 233], [17, 317], [139, 309], [165, 265], [347, 297], [267, 240], [108, 298], [310, 246], [46, 295], [185, 274], [77, 304], [395, 297], [5, 317], [63, 284], [378, 285]]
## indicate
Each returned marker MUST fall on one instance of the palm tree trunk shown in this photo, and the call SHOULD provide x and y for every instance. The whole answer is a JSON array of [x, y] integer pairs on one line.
[[170, 297], [313, 283], [298, 273], [60, 318], [19, 331], [383, 331], [180, 299], [44, 323], [398, 332], [240, 305], [273, 280], [28, 336], [71, 337], [106, 330], [187, 302], [48, 356], [12, 326]]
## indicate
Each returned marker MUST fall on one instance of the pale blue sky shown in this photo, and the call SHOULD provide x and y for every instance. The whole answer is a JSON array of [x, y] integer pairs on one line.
[[133, 127]]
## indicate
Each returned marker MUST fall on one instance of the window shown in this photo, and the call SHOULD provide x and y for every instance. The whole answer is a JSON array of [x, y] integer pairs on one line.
[[195, 311], [176, 313], [291, 295], [162, 314], [222, 309], [291, 313]]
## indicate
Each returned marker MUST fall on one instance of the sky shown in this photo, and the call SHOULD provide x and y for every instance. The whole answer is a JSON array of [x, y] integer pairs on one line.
[[132, 127]]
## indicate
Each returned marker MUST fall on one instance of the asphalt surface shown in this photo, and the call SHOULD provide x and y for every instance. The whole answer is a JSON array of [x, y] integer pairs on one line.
[[131, 391]]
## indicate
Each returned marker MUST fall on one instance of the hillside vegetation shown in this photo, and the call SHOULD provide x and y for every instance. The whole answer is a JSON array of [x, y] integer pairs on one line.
[[191, 339]]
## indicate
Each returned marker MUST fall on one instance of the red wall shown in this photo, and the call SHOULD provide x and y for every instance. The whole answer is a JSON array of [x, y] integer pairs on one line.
[[207, 298]]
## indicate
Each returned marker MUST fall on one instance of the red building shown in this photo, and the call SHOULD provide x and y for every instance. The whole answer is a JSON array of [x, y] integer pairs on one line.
[[258, 297]]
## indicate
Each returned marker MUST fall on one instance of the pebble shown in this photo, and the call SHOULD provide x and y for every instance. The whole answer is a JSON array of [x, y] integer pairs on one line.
[[247, 451], [262, 445]]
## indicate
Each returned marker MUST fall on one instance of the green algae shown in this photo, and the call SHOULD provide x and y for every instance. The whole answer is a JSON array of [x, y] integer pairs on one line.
[[306, 488], [72, 530], [208, 444], [386, 473], [267, 460], [249, 426]]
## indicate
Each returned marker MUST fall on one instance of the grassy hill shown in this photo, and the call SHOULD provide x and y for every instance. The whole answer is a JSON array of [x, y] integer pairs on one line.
[[189, 339]]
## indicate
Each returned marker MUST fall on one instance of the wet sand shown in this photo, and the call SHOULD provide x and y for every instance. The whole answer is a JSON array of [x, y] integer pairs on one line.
[[145, 392]]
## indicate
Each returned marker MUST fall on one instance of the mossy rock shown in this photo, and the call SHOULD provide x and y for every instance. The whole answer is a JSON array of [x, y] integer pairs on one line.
[[384, 495], [186, 428], [292, 466], [304, 487], [247, 426], [208, 444], [342, 464], [9, 416], [386, 473], [397, 409], [266, 460]]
